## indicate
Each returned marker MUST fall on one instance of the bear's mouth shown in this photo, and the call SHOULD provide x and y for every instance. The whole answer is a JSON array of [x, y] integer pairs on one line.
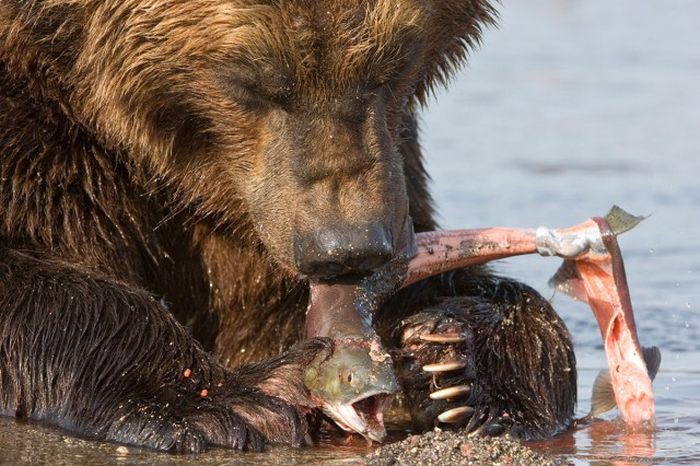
[[363, 415]]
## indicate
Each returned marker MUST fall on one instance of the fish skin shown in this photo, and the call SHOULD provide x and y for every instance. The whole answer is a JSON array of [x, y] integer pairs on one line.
[[603, 395], [357, 370], [352, 371]]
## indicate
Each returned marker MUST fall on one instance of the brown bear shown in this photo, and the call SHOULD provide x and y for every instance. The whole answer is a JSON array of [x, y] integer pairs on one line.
[[172, 174]]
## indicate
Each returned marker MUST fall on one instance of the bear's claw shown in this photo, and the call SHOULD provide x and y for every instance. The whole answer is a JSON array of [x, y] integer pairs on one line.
[[436, 367], [456, 415], [447, 366], [444, 338], [451, 393]]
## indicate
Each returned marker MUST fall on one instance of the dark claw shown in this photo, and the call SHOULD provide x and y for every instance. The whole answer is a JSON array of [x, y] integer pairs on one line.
[[251, 441], [455, 415], [494, 429]]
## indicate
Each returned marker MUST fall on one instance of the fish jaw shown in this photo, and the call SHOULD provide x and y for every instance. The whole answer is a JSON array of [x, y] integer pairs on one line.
[[364, 416]]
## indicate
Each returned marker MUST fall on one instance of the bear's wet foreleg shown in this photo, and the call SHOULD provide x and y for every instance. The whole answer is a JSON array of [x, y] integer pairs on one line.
[[105, 360], [482, 353]]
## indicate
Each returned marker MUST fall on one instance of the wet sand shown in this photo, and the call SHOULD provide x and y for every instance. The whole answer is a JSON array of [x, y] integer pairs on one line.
[[439, 448], [23, 443]]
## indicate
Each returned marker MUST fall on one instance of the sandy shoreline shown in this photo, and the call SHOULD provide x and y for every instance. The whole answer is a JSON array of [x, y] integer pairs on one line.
[[441, 448]]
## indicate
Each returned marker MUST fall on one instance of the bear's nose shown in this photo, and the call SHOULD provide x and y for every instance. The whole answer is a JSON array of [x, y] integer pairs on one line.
[[342, 250]]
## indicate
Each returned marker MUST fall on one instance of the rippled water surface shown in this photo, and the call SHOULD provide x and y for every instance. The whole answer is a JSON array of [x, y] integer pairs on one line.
[[571, 106]]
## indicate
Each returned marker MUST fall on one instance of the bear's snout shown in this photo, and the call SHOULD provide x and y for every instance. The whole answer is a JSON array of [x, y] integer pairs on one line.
[[342, 250]]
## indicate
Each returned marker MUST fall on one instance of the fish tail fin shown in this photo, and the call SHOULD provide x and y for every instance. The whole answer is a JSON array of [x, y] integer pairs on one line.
[[621, 221], [603, 397]]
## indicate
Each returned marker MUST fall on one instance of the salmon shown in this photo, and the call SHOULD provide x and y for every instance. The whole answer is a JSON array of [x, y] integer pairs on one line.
[[592, 272]]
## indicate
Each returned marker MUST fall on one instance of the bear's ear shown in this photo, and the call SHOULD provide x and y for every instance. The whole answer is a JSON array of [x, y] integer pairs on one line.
[[455, 28]]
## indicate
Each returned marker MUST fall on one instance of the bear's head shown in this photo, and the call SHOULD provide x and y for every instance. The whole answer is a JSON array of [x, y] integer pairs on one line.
[[277, 120]]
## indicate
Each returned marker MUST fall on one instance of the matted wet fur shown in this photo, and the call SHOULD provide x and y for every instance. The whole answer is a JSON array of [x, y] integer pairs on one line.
[[158, 158]]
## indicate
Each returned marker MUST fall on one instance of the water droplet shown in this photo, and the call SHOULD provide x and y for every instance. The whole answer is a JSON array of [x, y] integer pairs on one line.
[[675, 420], [687, 325], [688, 305], [667, 388], [651, 250], [673, 379]]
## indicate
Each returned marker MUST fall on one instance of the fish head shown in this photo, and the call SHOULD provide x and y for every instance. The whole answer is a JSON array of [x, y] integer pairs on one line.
[[354, 385]]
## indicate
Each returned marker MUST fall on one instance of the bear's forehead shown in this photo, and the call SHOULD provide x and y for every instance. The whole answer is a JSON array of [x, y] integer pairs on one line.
[[333, 41]]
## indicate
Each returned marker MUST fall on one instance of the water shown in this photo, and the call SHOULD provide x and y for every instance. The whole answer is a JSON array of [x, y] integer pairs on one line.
[[573, 106], [570, 107]]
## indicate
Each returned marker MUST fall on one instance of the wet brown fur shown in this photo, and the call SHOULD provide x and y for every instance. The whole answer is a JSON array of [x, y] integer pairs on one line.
[[166, 150]]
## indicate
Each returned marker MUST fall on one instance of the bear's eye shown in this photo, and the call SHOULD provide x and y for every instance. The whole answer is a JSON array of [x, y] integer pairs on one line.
[[253, 89], [247, 95], [349, 378], [257, 96]]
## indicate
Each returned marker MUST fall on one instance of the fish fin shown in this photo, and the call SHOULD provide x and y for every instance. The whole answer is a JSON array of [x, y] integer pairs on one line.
[[652, 358], [568, 280], [603, 397], [621, 221]]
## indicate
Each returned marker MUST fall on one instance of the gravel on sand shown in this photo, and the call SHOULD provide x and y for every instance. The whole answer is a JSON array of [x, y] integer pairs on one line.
[[450, 448]]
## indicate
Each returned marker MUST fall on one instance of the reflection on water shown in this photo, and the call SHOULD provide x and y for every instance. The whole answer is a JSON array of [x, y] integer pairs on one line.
[[22, 443], [572, 106], [612, 441]]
